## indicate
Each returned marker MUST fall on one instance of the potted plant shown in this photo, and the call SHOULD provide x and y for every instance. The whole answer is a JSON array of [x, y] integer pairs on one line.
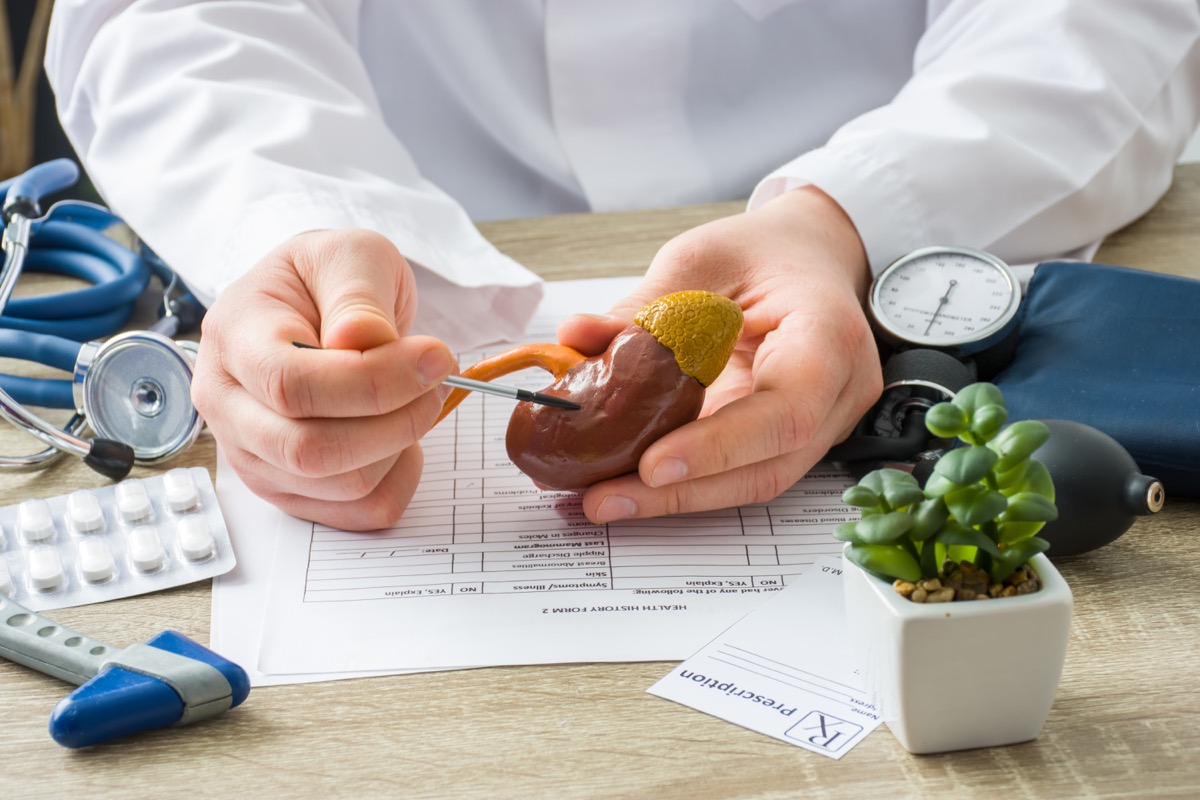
[[961, 620]]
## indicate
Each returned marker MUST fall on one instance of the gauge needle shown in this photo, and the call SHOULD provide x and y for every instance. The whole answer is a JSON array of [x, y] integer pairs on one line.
[[941, 302]]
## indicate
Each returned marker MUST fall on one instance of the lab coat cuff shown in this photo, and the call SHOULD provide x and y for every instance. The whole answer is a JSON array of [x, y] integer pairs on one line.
[[871, 190]]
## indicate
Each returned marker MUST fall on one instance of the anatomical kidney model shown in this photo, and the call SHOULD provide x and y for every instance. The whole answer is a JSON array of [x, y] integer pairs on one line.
[[650, 381]]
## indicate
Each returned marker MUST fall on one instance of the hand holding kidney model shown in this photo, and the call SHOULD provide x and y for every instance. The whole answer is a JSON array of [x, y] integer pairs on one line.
[[650, 381]]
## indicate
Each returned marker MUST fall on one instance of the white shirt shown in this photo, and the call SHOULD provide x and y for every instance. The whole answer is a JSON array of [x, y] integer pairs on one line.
[[1030, 128]]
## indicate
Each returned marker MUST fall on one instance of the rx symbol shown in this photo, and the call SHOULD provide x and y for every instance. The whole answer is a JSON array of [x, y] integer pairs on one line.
[[823, 731]]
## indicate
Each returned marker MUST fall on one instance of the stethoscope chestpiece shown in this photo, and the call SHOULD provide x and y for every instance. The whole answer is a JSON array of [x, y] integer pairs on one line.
[[136, 388]]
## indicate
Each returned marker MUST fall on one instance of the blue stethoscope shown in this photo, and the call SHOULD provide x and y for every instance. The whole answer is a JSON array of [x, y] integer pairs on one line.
[[134, 390]]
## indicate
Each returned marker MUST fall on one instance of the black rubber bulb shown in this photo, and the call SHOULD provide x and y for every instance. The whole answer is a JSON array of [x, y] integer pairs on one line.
[[1099, 489]]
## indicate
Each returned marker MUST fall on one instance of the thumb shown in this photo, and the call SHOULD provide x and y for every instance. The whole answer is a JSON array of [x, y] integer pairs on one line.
[[363, 291], [355, 326], [590, 334]]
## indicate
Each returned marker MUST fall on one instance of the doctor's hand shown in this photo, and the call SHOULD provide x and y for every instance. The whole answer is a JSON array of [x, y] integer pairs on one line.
[[325, 434], [805, 370]]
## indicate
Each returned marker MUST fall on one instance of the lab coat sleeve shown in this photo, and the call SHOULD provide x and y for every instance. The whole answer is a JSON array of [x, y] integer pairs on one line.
[[1030, 128], [218, 130]]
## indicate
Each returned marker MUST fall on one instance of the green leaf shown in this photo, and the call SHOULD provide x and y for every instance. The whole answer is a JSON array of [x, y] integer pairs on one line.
[[955, 533], [987, 421], [1014, 556], [928, 518], [1011, 532], [884, 490], [974, 397], [874, 480], [1029, 507], [847, 532], [1037, 480], [883, 528], [860, 497], [930, 559], [975, 505], [1018, 441], [885, 561], [960, 553], [946, 420], [937, 486], [965, 465], [900, 489], [1009, 481]]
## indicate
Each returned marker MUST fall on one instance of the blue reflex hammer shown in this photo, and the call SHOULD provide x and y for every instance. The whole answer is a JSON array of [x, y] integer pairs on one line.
[[170, 680]]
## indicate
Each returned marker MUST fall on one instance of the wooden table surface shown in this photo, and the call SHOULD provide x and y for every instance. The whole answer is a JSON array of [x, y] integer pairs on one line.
[[1125, 723]]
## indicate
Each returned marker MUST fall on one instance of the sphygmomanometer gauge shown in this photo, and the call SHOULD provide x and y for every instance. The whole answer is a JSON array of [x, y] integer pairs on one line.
[[955, 299]]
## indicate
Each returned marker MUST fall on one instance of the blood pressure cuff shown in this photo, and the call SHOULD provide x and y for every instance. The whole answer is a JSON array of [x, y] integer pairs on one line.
[[1117, 349]]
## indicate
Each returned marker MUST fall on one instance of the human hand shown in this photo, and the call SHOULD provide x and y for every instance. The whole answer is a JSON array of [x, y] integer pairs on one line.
[[806, 368], [329, 435]]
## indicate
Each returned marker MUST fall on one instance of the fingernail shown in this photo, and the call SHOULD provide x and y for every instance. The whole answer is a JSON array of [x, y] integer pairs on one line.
[[433, 367], [615, 507], [669, 470]]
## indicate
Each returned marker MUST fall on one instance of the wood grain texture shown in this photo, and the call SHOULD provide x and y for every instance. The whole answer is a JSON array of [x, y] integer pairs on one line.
[[1125, 724]]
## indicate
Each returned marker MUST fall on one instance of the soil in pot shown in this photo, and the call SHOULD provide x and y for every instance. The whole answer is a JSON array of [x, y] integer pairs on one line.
[[966, 581]]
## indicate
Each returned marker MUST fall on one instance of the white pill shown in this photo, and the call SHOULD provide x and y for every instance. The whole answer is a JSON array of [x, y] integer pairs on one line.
[[133, 501], [95, 560], [35, 520], [5, 581], [195, 539], [145, 549], [180, 490], [45, 569], [83, 507]]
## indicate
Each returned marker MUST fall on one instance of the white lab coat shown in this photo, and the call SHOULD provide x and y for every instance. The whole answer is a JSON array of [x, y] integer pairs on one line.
[[1030, 128]]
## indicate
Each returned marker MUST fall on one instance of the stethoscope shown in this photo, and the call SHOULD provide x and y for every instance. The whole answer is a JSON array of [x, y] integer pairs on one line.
[[134, 390]]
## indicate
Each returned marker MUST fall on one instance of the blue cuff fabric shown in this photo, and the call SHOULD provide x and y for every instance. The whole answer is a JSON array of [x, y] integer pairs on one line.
[[1117, 349]]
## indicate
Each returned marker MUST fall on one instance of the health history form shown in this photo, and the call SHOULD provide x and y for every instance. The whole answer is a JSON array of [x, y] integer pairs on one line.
[[484, 568]]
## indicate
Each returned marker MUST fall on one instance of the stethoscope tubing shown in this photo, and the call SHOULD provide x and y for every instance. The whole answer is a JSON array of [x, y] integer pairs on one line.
[[117, 276], [53, 351], [21, 216]]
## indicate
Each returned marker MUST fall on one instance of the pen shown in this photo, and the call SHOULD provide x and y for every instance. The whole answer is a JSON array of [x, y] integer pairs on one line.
[[512, 392]]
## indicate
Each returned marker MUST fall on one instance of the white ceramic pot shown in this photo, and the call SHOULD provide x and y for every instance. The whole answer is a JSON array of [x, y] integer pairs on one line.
[[960, 675]]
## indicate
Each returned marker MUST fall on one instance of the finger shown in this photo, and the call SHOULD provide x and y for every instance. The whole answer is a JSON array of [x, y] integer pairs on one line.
[[320, 447], [359, 290], [298, 382], [781, 415], [749, 430], [590, 334], [361, 285], [379, 508], [262, 476], [814, 375], [628, 497], [303, 382]]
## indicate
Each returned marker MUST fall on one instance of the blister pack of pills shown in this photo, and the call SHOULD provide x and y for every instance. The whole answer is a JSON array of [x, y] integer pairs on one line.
[[133, 537]]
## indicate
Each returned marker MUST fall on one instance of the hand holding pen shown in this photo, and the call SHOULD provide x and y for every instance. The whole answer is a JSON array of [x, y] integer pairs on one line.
[[332, 435], [499, 390]]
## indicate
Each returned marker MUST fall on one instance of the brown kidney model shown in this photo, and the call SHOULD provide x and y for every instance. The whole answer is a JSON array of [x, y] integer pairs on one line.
[[649, 382]]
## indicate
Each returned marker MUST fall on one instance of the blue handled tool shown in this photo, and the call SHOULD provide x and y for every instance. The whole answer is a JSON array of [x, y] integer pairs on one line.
[[170, 680]]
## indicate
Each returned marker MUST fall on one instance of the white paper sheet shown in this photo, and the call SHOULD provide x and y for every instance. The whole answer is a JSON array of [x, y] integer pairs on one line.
[[786, 669], [239, 597], [485, 569]]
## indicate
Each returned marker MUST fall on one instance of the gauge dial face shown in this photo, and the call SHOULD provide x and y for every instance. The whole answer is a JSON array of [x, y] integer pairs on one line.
[[945, 297]]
